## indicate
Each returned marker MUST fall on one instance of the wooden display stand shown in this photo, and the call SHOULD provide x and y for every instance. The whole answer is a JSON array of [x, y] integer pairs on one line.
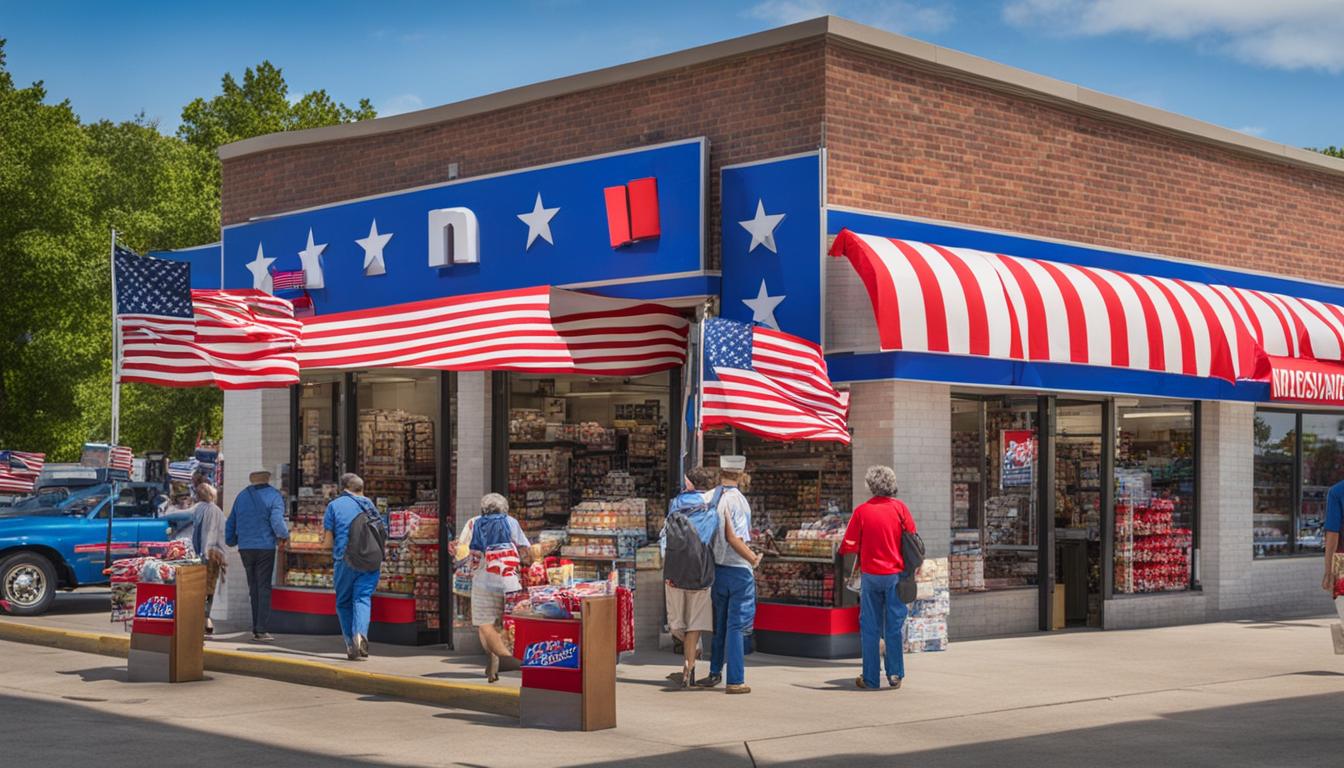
[[569, 668], [168, 632]]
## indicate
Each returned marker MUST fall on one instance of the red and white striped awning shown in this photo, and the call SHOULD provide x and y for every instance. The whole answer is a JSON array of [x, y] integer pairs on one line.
[[931, 298], [535, 330]]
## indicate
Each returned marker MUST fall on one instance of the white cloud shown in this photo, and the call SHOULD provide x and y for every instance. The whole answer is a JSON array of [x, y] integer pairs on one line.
[[1284, 34], [402, 102], [904, 16]]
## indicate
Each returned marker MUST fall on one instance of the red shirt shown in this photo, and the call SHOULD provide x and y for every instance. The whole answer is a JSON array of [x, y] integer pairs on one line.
[[875, 533]]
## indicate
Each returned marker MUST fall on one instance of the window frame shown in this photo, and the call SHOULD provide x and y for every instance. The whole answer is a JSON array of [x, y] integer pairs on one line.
[[1296, 511]]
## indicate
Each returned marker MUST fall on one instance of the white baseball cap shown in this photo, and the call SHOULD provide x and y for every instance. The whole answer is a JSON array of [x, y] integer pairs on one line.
[[733, 463]]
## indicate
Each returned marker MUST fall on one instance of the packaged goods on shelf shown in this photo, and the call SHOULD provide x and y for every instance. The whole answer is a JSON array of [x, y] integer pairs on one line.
[[526, 424], [796, 582], [967, 571], [628, 514]]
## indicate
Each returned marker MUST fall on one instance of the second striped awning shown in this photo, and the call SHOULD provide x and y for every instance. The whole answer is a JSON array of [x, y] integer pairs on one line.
[[931, 298]]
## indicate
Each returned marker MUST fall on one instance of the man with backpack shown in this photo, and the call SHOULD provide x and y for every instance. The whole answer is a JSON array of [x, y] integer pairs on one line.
[[688, 565], [357, 535], [734, 591]]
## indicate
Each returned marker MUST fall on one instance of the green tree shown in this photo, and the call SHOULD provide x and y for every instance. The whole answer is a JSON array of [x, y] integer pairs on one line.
[[64, 184], [1332, 151]]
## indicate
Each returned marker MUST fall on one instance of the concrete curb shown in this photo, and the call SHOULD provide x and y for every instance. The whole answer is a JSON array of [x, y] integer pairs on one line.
[[478, 698]]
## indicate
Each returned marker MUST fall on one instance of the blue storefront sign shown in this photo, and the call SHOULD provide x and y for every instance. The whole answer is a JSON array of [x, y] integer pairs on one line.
[[550, 225], [772, 246]]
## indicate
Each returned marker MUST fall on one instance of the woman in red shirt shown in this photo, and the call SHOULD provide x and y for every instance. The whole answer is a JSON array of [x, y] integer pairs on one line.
[[874, 532]]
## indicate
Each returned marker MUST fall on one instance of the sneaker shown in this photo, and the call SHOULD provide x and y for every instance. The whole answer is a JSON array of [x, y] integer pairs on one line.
[[894, 681], [362, 643], [352, 653], [264, 637], [710, 681], [737, 689]]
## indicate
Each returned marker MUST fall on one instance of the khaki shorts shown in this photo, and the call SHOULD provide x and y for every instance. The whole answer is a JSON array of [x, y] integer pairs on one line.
[[689, 610]]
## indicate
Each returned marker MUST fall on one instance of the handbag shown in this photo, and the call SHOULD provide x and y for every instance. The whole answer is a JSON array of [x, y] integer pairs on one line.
[[854, 581]]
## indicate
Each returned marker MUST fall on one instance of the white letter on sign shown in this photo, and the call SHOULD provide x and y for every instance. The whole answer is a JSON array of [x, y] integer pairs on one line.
[[454, 237]]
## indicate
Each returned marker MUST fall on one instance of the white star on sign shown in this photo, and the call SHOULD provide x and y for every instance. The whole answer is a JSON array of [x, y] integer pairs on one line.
[[373, 251], [538, 223], [762, 228], [261, 272], [312, 262], [763, 307]]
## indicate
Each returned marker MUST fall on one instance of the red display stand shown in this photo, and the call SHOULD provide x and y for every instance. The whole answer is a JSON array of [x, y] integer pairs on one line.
[[569, 668]]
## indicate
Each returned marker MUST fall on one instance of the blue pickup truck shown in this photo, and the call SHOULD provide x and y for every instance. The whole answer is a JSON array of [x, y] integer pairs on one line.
[[57, 539]]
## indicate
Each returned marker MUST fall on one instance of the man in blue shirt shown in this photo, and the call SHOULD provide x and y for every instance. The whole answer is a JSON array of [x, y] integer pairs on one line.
[[1334, 520], [354, 589], [255, 524]]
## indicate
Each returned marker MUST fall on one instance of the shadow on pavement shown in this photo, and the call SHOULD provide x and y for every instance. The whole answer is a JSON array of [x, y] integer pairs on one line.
[[55, 733]]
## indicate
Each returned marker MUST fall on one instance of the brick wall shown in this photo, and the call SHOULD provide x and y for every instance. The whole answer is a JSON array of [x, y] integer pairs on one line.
[[751, 107], [909, 142]]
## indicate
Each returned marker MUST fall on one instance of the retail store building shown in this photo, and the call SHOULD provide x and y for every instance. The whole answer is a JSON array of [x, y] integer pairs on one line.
[[1142, 474]]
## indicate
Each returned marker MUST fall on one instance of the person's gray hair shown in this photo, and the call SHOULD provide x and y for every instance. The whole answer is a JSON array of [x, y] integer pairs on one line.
[[881, 481], [493, 503], [352, 482], [207, 492]]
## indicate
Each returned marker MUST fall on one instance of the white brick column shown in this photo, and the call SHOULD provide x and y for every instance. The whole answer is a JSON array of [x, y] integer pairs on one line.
[[473, 443], [908, 426], [1226, 464], [256, 436]]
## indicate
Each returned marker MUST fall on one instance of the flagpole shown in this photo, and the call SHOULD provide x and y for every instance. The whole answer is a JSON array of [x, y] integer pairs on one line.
[[116, 346], [698, 452]]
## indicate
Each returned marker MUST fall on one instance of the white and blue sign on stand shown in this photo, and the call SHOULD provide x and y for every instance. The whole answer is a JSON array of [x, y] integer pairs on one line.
[[550, 225], [772, 244]]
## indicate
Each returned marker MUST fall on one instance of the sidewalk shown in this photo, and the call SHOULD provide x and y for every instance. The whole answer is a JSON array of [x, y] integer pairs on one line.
[[794, 697]]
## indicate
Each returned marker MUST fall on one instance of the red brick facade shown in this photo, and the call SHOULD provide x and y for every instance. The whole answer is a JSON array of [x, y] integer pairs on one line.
[[907, 142], [899, 140]]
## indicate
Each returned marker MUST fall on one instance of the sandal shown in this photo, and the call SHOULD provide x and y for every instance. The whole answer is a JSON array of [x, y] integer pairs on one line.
[[492, 669], [687, 677]]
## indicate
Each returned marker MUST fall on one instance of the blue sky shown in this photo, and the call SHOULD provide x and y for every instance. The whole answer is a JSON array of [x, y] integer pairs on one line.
[[1272, 69]]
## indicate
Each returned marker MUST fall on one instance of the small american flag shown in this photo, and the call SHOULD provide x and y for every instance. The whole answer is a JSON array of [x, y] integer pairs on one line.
[[288, 280], [19, 470], [769, 383], [120, 457], [178, 337]]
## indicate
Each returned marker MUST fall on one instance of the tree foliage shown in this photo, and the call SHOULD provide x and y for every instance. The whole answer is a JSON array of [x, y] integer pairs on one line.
[[64, 184]]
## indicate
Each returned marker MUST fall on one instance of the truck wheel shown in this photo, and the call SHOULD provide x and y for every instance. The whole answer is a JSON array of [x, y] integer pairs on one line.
[[27, 584]]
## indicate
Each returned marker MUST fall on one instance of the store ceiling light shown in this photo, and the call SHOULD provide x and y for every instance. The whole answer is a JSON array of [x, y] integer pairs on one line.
[[1154, 414]]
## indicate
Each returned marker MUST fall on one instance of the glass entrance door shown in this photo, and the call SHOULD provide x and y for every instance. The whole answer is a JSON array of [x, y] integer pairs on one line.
[[1078, 494]]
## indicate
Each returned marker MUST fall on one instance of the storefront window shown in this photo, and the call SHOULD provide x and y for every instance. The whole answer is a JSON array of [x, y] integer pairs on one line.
[[994, 471], [1272, 493], [588, 466], [1298, 456], [306, 562], [801, 496], [396, 435], [1155, 501]]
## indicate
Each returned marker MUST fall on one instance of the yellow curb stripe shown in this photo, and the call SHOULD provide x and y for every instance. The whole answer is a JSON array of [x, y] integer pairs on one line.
[[479, 698]]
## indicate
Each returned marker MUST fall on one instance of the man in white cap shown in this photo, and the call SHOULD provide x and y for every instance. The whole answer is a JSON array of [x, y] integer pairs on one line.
[[734, 591], [255, 524]]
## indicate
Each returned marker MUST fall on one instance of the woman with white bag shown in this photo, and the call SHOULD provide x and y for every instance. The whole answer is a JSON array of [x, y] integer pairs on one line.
[[493, 541]]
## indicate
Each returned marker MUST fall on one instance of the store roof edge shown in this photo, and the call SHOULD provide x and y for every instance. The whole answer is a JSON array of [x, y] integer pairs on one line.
[[918, 53]]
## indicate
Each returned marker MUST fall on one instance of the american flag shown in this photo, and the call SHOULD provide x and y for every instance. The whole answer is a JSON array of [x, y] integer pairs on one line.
[[179, 337], [19, 470], [120, 457], [288, 280], [539, 330], [769, 383]]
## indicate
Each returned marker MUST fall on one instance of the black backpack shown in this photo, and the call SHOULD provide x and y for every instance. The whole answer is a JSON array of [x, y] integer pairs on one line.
[[912, 553], [689, 562], [366, 547]]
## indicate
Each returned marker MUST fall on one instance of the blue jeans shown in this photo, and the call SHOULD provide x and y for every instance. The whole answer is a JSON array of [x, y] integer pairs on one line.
[[881, 616], [734, 596], [354, 600]]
